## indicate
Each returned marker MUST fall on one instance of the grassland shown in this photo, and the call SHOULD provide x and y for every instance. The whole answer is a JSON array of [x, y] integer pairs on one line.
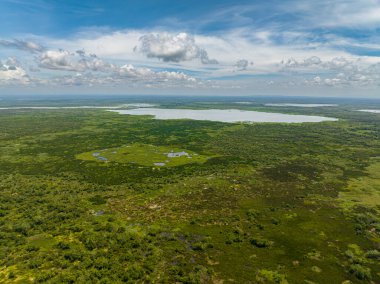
[[364, 190], [145, 155], [261, 203]]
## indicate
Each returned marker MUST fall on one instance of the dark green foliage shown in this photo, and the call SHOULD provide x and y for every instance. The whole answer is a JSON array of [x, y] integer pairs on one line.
[[361, 272], [260, 242], [97, 200], [11, 275], [373, 254], [63, 245]]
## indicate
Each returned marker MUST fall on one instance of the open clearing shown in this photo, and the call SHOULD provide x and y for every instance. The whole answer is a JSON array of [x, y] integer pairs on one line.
[[145, 155]]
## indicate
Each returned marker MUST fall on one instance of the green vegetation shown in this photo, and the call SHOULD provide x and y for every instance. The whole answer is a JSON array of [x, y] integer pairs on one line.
[[146, 155], [364, 190], [260, 203]]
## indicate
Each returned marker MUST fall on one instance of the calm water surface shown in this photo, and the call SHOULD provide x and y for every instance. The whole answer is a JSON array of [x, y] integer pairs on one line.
[[224, 115]]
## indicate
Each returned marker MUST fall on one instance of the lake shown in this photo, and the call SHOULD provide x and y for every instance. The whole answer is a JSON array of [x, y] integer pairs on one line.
[[134, 105], [371, 110], [300, 105], [224, 115]]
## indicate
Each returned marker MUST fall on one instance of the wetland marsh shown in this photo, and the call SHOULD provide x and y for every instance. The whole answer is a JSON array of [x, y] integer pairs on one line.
[[91, 196], [145, 155]]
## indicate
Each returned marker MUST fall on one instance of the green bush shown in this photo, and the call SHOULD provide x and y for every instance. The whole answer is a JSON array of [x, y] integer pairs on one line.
[[97, 200], [199, 246], [73, 256], [11, 275], [260, 242], [373, 254], [265, 275], [361, 272], [44, 276], [252, 214], [63, 245]]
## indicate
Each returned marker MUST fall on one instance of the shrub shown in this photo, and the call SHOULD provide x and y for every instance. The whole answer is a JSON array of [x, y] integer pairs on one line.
[[11, 275], [373, 254], [355, 254], [252, 214], [237, 239], [101, 263], [198, 246], [33, 263], [73, 256], [361, 272], [63, 246], [265, 275], [133, 273], [31, 248], [260, 242], [97, 200], [44, 276], [22, 228]]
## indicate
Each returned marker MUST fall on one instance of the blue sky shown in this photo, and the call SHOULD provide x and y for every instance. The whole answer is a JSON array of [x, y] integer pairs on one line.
[[238, 47]]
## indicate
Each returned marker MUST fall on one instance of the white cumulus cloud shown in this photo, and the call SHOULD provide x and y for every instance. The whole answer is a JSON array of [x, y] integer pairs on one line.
[[173, 48], [12, 73], [72, 61]]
